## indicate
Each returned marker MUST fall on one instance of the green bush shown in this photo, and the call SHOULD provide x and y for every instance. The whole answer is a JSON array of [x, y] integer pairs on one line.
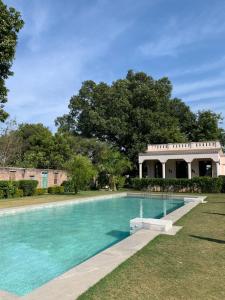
[[18, 193], [8, 188], [1, 194], [40, 191], [68, 186], [223, 183], [196, 184], [120, 182], [28, 187], [56, 190]]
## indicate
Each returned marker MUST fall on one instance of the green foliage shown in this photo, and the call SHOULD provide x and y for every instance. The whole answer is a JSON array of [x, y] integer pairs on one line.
[[68, 186], [40, 191], [196, 184], [120, 182], [1, 194], [8, 188], [18, 193], [207, 128], [10, 25], [81, 172], [113, 165], [28, 187], [56, 190], [223, 183], [136, 111]]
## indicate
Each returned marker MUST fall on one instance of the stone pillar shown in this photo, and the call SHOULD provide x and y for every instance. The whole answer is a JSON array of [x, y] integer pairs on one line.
[[189, 170], [217, 168], [163, 170], [140, 170]]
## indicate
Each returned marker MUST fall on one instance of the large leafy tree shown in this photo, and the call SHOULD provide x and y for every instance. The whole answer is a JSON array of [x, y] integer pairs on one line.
[[207, 127], [132, 112], [128, 114], [42, 149], [10, 25]]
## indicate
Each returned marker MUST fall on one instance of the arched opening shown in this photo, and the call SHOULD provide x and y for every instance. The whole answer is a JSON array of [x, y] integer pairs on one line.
[[181, 169], [157, 169]]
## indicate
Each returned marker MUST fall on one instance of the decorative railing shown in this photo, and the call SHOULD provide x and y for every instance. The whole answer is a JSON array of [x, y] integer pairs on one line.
[[184, 146]]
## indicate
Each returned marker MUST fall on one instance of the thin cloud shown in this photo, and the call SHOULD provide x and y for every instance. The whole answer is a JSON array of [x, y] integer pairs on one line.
[[185, 88], [213, 95], [179, 34]]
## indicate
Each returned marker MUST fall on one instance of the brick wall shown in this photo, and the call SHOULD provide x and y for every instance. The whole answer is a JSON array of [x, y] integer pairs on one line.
[[54, 177]]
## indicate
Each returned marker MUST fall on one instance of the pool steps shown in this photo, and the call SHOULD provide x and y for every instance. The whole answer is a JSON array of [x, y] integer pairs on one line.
[[150, 224]]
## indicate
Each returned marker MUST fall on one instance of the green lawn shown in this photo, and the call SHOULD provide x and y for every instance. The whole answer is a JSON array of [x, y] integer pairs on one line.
[[15, 202], [190, 265]]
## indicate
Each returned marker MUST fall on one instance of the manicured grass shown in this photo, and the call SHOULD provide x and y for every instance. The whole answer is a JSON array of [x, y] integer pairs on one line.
[[190, 265], [15, 202]]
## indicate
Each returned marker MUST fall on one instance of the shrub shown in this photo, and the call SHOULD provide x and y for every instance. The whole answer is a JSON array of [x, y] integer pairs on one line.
[[68, 186], [56, 190], [81, 171], [196, 184], [28, 187], [8, 188], [1, 194], [18, 193], [120, 182], [40, 191], [223, 183]]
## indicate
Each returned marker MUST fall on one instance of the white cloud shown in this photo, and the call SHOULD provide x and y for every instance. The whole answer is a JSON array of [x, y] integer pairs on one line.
[[178, 34], [212, 94], [185, 88]]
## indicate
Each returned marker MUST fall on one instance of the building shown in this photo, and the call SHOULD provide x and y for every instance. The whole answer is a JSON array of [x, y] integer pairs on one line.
[[182, 160], [45, 177]]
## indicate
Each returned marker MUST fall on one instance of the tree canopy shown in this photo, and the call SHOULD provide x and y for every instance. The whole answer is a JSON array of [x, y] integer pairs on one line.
[[10, 25], [133, 112]]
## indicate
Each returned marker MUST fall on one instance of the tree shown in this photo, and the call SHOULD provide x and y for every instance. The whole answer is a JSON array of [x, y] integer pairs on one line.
[[131, 113], [81, 172], [37, 144], [10, 145], [10, 25], [42, 149], [207, 127], [114, 164]]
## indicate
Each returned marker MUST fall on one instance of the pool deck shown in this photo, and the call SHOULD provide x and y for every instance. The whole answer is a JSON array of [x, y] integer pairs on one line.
[[77, 280]]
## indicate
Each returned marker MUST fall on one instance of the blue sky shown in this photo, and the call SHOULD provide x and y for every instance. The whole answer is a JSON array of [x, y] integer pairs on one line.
[[66, 42]]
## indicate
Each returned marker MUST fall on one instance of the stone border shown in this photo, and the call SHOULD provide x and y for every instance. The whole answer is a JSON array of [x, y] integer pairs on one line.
[[26, 208], [79, 279]]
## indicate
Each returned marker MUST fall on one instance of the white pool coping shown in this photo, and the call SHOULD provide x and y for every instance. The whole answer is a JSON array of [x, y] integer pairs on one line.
[[73, 283]]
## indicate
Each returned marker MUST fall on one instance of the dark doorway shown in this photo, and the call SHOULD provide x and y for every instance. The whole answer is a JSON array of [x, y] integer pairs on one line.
[[205, 168], [158, 169], [181, 169]]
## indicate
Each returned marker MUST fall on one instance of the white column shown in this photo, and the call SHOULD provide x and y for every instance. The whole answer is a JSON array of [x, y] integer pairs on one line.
[[189, 170], [140, 170], [217, 168], [163, 170]]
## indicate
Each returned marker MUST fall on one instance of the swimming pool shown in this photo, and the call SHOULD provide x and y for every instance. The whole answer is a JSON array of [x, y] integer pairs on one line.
[[37, 246]]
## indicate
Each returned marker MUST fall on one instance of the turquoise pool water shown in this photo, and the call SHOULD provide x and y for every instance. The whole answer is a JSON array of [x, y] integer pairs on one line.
[[39, 245]]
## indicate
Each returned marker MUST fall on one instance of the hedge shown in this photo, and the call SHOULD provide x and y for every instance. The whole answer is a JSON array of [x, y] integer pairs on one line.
[[8, 188], [196, 184], [68, 186], [56, 190], [28, 187], [41, 191]]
